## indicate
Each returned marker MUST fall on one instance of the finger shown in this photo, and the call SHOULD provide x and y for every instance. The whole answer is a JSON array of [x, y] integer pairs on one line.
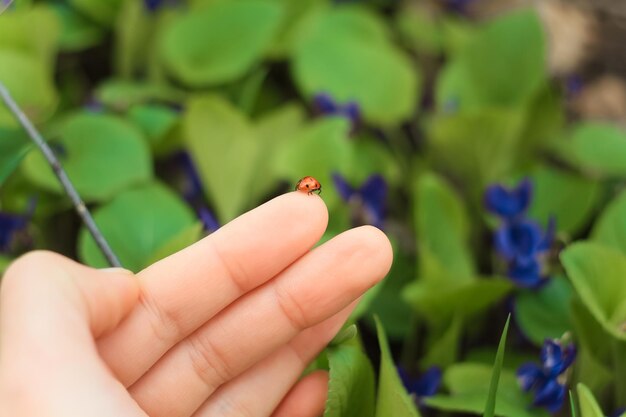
[[259, 390], [307, 398], [183, 291], [50, 310], [310, 291]]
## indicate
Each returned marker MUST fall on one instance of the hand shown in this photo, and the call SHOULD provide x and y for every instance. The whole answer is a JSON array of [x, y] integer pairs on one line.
[[223, 328]]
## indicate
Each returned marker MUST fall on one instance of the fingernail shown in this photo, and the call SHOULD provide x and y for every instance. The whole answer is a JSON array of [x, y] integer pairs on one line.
[[116, 270]]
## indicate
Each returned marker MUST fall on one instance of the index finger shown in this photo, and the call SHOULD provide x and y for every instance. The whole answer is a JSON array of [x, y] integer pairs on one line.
[[180, 293]]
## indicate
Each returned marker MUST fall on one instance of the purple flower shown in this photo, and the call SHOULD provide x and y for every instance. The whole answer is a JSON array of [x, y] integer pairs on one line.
[[325, 104], [426, 385], [547, 380], [10, 224], [556, 358], [509, 203], [154, 5], [368, 200], [209, 221], [458, 6]]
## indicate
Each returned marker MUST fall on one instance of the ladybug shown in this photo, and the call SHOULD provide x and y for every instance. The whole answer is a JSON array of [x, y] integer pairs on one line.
[[310, 185]]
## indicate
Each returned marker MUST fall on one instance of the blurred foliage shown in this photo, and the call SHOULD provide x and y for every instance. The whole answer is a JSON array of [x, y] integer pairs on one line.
[[162, 113]]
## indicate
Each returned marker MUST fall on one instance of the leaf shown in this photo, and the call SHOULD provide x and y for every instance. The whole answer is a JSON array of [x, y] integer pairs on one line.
[[344, 51], [103, 12], [318, 150], [388, 306], [597, 274], [119, 94], [133, 38], [469, 389], [477, 146], [17, 34], [490, 405], [137, 224], [77, 32], [180, 241], [155, 120], [30, 84], [221, 42], [598, 147], [444, 351], [442, 225], [505, 62], [610, 227], [544, 314], [14, 145], [351, 385], [440, 300], [393, 399], [225, 151], [101, 154], [588, 405], [573, 204]]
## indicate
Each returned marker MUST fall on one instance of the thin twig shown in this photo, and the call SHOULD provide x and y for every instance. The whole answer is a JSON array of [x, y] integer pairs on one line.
[[78, 203]]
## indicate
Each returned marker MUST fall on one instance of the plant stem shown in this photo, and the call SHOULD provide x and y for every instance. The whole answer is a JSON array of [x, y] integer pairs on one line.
[[78, 203], [619, 364]]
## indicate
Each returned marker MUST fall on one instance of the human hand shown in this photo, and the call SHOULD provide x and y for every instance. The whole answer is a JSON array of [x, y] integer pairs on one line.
[[223, 328]]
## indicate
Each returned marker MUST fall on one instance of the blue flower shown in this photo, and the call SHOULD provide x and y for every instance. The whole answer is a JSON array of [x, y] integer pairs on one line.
[[509, 203], [459, 6], [556, 358], [548, 379], [522, 240], [368, 200], [10, 224], [209, 221], [325, 104], [426, 385], [154, 5]]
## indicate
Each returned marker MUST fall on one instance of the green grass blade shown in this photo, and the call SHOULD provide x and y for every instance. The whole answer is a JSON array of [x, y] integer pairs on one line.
[[572, 404], [490, 406]]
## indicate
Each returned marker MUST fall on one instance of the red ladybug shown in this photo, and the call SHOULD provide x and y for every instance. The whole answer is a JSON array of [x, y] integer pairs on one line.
[[310, 185]]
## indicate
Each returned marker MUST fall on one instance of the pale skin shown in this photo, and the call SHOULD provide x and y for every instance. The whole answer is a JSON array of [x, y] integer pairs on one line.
[[225, 327]]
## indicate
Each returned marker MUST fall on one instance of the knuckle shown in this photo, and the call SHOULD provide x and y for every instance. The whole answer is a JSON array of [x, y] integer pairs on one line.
[[233, 269], [164, 323], [291, 308], [209, 363]]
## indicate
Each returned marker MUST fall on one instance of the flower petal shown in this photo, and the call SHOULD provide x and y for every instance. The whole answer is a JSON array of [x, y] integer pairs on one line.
[[528, 375], [344, 189]]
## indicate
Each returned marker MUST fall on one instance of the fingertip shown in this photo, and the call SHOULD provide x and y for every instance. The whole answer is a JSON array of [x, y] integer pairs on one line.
[[376, 247]]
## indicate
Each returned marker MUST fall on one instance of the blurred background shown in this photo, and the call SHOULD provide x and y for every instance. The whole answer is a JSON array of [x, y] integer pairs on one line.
[[483, 136]]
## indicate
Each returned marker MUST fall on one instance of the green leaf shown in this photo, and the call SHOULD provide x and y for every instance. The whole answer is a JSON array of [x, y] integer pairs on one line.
[[133, 39], [597, 274], [439, 300], [490, 405], [17, 33], [493, 66], [477, 146], [14, 145], [221, 42], [120, 94], [572, 205], [598, 147], [469, 389], [610, 227], [180, 241], [103, 12], [101, 154], [588, 405], [225, 151], [442, 225], [444, 351], [544, 314], [317, 150], [155, 120], [344, 51], [351, 385], [137, 224], [393, 399], [29, 82], [77, 32]]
